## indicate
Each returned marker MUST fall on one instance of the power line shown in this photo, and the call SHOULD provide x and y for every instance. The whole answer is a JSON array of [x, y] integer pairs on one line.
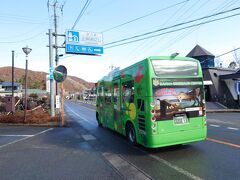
[[141, 17], [190, 26], [152, 41], [227, 52], [176, 25], [188, 32], [82, 12], [19, 41]]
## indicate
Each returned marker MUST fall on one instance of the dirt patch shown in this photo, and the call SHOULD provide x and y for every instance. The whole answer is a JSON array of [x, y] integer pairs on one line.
[[37, 116]]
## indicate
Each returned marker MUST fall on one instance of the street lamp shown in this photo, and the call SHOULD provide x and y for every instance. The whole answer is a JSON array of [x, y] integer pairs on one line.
[[26, 50]]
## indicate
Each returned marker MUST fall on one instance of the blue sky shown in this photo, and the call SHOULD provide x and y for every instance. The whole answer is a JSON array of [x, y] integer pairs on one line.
[[26, 22]]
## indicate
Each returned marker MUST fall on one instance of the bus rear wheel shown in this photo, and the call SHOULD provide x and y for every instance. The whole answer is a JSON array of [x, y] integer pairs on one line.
[[131, 135]]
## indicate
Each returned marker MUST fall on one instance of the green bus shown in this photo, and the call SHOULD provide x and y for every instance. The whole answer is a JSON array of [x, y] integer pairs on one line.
[[156, 102]]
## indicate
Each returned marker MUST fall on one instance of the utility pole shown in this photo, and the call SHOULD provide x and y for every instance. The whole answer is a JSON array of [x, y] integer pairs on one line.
[[56, 6], [55, 34], [12, 74], [51, 69]]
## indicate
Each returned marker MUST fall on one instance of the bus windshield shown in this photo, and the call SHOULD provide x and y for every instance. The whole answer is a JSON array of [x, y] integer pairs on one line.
[[175, 68]]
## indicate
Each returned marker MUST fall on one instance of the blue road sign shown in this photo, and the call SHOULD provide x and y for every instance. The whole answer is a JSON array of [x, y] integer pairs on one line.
[[80, 49], [51, 72], [73, 37], [237, 87], [84, 42]]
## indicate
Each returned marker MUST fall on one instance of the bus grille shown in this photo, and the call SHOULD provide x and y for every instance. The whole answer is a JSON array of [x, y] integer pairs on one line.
[[141, 122]]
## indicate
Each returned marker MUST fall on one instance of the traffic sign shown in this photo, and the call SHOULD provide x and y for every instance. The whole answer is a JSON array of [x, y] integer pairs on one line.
[[80, 49], [51, 72], [60, 73], [84, 42], [237, 87]]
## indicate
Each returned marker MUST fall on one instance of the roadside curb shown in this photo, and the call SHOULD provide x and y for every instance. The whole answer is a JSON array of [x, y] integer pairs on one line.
[[222, 110]]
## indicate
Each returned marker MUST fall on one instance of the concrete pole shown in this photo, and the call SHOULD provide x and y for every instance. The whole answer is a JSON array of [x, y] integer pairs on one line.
[[12, 73], [56, 42], [25, 101], [51, 67]]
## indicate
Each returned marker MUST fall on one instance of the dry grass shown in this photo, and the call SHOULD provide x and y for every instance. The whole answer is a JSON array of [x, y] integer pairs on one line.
[[38, 116]]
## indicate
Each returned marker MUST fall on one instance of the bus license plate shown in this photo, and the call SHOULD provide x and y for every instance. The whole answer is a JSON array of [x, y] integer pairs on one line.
[[180, 120]]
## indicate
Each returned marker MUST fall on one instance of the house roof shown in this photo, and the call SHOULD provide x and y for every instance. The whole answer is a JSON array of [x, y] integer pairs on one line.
[[8, 84], [235, 75], [199, 51]]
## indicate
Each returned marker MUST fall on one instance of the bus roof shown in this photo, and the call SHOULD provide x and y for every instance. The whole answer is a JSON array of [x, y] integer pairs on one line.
[[116, 72]]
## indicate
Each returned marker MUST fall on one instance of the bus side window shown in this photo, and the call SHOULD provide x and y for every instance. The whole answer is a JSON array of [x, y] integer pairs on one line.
[[128, 91], [115, 93], [108, 95], [100, 93]]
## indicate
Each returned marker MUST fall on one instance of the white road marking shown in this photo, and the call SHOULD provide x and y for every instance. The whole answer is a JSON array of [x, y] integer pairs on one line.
[[214, 125], [14, 135], [128, 170], [27, 137], [88, 137], [232, 128], [81, 117], [117, 162], [178, 169], [88, 108]]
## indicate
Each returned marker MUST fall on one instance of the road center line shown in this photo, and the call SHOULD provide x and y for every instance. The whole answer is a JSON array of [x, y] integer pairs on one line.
[[223, 142], [13, 142], [232, 128], [214, 125]]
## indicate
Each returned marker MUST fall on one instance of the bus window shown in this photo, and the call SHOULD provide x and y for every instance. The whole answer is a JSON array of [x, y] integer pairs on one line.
[[115, 93], [178, 68], [128, 91], [108, 95]]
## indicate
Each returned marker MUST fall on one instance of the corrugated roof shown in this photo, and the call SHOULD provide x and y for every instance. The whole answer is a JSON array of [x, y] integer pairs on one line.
[[199, 51], [10, 84]]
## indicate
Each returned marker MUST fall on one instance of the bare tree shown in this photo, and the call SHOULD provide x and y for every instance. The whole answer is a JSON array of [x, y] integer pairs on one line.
[[236, 57], [218, 62], [232, 65]]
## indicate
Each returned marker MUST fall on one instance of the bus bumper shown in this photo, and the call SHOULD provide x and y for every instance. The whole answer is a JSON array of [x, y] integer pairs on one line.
[[174, 138]]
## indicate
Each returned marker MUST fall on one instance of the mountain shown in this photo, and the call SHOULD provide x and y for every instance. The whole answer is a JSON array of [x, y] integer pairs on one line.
[[37, 80]]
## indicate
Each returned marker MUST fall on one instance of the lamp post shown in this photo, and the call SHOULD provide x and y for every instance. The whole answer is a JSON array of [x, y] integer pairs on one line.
[[26, 50]]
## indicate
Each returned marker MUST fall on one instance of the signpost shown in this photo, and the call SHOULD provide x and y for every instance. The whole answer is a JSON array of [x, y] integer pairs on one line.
[[84, 42], [60, 74]]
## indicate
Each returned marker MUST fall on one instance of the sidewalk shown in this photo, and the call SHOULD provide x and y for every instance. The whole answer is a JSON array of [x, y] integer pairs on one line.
[[213, 107]]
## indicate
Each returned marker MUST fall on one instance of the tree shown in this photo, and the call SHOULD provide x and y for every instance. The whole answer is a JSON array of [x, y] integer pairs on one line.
[[236, 58], [232, 65], [218, 62]]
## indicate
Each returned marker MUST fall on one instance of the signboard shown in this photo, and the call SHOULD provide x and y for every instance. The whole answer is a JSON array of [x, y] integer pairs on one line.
[[58, 102], [47, 84], [84, 42], [237, 87], [60, 73], [51, 72]]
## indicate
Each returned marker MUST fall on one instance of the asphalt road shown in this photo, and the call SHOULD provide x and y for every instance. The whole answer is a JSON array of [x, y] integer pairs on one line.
[[86, 151], [216, 158]]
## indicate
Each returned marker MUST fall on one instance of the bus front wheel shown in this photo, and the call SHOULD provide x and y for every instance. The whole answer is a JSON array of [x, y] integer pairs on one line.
[[131, 135]]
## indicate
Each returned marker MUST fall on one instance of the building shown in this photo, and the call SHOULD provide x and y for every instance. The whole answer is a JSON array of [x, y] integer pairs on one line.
[[6, 89], [220, 83]]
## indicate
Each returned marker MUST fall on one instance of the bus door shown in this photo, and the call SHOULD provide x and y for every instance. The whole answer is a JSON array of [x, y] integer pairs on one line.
[[128, 106], [117, 116]]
